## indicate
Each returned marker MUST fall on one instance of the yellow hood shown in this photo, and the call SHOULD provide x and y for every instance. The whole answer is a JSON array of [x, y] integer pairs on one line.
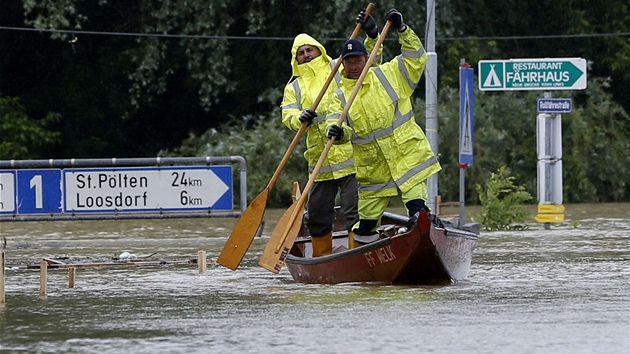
[[304, 39]]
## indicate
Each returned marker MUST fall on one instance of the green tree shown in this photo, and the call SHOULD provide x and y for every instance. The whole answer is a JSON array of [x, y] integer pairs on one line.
[[595, 158], [22, 137]]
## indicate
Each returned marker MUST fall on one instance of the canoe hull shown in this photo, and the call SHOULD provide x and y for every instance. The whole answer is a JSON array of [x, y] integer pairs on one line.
[[440, 255]]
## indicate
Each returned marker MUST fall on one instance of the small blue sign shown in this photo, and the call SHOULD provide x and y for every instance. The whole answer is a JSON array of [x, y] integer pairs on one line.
[[466, 115], [555, 105], [39, 191]]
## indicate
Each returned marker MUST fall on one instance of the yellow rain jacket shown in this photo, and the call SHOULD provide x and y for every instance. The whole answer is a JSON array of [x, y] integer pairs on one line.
[[300, 94], [390, 149]]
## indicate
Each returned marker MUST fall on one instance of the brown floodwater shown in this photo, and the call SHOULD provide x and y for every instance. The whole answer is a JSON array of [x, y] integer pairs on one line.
[[561, 290]]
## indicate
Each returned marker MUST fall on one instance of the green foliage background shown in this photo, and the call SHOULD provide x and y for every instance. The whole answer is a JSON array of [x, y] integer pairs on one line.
[[25, 133], [89, 79]]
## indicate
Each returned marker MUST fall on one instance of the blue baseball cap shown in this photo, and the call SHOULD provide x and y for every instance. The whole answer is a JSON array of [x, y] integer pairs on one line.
[[353, 47]]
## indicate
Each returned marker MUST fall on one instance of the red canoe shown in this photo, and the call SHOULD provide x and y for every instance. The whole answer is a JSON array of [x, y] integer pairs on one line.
[[428, 253]]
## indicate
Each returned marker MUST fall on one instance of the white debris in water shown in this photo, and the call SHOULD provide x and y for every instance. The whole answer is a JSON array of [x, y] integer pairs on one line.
[[127, 255]]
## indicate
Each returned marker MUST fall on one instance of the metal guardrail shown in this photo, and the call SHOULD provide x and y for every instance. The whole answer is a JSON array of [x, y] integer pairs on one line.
[[131, 162]]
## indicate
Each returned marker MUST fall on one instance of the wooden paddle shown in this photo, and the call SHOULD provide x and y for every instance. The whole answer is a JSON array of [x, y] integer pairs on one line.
[[247, 225], [288, 226]]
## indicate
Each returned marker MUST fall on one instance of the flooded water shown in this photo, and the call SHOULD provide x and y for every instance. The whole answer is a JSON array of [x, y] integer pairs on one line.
[[562, 290]]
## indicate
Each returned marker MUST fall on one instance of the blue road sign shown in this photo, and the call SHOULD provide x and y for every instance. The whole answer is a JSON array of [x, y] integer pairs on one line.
[[39, 191], [555, 105], [466, 115]]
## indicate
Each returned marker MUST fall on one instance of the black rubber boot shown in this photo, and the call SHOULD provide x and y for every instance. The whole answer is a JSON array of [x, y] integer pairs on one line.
[[414, 206]]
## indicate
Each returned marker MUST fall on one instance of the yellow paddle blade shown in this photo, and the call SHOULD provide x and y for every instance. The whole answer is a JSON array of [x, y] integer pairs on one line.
[[277, 249], [244, 232]]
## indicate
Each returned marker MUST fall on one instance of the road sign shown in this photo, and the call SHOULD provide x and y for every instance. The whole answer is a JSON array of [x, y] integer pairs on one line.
[[147, 189], [532, 74], [550, 208], [7, 192], [549, 218], [555, 105], [39, 191], [466, 115], [114, 190]]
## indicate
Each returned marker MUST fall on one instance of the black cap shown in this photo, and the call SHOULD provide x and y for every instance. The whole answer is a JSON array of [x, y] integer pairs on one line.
[[353, 47]]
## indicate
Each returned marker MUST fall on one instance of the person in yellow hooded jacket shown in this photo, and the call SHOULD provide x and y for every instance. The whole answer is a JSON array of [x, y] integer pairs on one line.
[[311, 66], [391, 152]]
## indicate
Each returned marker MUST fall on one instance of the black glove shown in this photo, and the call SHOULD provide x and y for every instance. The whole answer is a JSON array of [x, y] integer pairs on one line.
[[307, 116], [335, 131], [397, 19], [368, 25]]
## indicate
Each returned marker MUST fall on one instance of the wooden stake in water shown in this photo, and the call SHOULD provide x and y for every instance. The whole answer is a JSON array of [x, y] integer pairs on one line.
[[71, 274], [2, 277], [43, 278], [201, 261]]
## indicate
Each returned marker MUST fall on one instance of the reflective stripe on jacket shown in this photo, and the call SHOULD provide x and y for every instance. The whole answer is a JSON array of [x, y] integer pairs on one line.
[[300, 94], [390, 149]]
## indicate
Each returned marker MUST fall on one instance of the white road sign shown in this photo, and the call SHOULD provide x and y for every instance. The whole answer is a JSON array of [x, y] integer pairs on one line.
[[145, 189], [7, 192]]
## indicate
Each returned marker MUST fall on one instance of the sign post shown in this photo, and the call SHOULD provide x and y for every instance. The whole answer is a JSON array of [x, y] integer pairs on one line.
[[466, 129], [549, 140], [541, 74]]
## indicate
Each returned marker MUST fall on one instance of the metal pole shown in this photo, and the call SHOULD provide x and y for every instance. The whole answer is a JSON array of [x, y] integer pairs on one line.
[[462, 198], [547, 153], [431, 107], [462, 167]]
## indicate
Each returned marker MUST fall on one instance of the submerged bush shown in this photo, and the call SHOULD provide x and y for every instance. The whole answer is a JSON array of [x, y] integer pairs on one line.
[[502, 202]]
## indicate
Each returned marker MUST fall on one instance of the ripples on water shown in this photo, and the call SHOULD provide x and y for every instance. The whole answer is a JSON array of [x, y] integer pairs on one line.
[[563, 290]]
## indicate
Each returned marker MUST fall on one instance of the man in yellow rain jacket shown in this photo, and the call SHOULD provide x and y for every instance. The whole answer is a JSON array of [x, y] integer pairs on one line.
[[391, 152], [311, 66]]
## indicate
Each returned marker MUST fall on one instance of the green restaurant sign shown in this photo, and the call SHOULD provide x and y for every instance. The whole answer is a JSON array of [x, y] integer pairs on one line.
[[532, 74]]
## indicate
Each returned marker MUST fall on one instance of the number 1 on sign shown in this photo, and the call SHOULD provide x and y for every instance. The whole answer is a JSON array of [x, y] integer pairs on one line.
[[36, 182]]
